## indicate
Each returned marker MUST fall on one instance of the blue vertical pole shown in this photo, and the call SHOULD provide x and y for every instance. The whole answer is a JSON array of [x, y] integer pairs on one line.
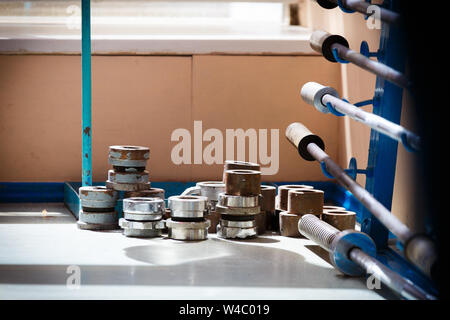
[[86, 92], [383, 150]]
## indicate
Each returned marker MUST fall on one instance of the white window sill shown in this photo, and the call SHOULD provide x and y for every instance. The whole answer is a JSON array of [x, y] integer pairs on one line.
[[288, 40]]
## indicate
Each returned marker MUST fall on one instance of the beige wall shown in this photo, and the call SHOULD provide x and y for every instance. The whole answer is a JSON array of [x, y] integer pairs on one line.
[[141, 100]]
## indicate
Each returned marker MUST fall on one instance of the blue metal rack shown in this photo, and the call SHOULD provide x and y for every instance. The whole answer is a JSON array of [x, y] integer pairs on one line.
[[380, 171], [387, 103]]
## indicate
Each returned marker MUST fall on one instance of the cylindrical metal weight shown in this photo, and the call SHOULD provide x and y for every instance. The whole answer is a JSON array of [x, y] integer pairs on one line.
[[233, 211], [127, 186], [238, 201], [283, 192], [143, 209], [128, 177], [236, 233], [301, 137], [268, 194], [235, 165], [242, 182], [261, 221], [97, 197], [107, 218], [289, 224], [214, 217], [144, 205], [238, 224], [191, 231], [128, 156], [341, 220], [188, 206], [147, 229], [150, 193], [211, 190], [306, 201]]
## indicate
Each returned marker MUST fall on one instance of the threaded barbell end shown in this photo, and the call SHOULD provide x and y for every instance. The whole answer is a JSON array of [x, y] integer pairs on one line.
[[317, 230]]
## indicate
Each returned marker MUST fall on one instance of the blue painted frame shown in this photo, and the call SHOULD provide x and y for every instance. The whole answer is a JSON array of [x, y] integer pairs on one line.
[[86, 93], [383, 150]]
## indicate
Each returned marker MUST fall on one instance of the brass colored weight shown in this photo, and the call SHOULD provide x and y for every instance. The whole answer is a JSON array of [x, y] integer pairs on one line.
[[282, 198], [307, 201], [289, 224], [242, 182], [342, 220]]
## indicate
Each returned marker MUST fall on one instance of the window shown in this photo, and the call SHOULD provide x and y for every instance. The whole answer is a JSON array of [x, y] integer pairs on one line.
[[145, 20]]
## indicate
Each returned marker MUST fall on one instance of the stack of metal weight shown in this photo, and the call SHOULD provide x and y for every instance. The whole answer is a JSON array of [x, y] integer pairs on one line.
[[260, 218], [239, 205], [281, 201], [97, 208], [300, 202], [187, 218], [128, 173], [142, 217], [211, 190]]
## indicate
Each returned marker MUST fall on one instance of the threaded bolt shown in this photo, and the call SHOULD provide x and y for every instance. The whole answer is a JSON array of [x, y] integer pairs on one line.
[[317, 230]]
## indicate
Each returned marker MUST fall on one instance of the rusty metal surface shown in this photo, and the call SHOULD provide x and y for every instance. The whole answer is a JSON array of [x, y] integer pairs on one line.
[[235, 165], [261, 221], [214, 217], [129, 153], [341, 220], [289, 224], [128, 177], [268, 194], [150, 193], [97, 197], [238, 211], [127, 186], [242, 182], [282, 197], [307, 201]]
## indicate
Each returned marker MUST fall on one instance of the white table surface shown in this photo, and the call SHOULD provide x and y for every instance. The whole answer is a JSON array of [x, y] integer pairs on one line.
[[36, 251]]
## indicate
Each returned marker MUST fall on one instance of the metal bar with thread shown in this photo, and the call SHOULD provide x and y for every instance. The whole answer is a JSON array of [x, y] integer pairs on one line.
[[324, 235]]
